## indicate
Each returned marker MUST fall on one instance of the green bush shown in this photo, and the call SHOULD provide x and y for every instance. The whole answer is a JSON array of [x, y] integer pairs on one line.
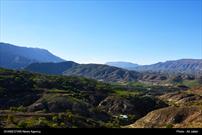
[[10, 119], [169, 126], [22, 124]]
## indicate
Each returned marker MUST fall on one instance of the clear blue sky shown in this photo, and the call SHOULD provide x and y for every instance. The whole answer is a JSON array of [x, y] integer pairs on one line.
[[87, 31]]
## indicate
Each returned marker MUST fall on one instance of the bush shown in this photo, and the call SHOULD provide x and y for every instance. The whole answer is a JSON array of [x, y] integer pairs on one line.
[[10, 119], [21, 109], [169, 126], [55, 118], [22, 124], [18, 109]]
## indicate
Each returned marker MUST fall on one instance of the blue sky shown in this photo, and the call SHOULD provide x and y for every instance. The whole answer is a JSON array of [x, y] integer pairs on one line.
[[89, 31]]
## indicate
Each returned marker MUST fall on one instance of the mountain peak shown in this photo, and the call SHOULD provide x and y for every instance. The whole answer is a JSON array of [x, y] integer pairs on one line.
[[16, 57]]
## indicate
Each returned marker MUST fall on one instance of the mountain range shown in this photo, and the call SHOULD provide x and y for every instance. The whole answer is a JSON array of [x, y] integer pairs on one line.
[[94, 71], [182, 66], [45, 91], [187, 66], [15, 57], [42, 61]]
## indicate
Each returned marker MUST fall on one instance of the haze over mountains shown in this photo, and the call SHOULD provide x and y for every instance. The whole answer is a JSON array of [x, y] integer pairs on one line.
[[15, 57], [187, 66], [42, 61], [122, 64], [59, 93]]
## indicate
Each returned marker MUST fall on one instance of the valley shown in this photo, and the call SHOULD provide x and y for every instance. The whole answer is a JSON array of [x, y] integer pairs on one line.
[[32, 100]]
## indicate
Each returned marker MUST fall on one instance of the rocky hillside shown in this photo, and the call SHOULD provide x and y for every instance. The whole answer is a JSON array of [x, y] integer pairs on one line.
[[171, 117], [184, 110]]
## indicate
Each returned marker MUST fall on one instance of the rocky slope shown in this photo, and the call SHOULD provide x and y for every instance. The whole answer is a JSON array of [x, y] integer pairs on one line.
[[171, 117], [185, 110]]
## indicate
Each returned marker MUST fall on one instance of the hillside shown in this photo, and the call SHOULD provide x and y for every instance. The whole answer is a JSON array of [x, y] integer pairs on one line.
[[183, 66], [112, 74], [51, 68], [103, 73], [184, 110], [31, 100], [36, 100], [93, 71], [171, 117], [15, 57]]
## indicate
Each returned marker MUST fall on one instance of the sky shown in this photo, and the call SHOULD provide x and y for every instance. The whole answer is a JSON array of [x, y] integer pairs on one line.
[[90, 31]]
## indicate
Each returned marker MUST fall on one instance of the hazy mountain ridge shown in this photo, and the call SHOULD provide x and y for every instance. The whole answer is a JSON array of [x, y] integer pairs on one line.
[[121, 64], [186, 66], [189, 66], [42, 61], [15, 57]]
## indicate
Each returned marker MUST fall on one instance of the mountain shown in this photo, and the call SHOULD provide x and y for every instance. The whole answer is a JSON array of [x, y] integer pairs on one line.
[[124, 65], [15, 57], [182, 66], [51, 68], [94, 71], [187, 66], [109, 73], [103, 73]]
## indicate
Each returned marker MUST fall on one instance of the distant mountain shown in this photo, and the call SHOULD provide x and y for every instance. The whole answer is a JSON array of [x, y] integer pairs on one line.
[[187, 66], [51, 68], [103, 73], [15, 57], [95, 71], [125, 65]]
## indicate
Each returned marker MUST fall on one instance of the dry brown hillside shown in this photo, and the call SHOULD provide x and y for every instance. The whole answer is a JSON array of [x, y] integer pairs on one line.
[[176, 117]]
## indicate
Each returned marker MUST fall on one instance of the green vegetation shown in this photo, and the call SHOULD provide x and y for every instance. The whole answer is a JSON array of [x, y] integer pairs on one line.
[[169, 126], [30, 100], [191, 83], [126, 93], [18, 109]]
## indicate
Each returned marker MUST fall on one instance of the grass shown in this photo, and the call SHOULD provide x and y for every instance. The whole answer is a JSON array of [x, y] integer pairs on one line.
[[191, 83], [125, 93], [57, 91]]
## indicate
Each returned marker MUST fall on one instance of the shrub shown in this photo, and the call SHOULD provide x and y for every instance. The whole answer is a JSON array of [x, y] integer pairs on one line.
[[21, 109], [22, 124], [10, 119], [55, 118], [169, 126]]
